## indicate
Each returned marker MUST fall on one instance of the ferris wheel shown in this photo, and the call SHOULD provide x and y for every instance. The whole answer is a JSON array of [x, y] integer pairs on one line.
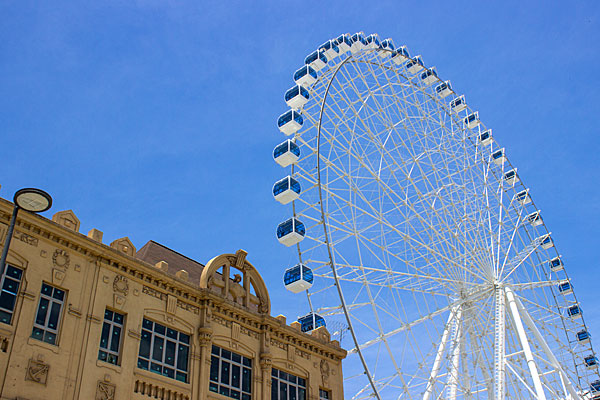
[[410, 222]]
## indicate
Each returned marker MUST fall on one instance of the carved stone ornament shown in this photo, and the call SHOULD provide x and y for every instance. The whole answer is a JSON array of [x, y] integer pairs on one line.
[[105, 391], [37, 371], [60, 258], [121, 285], [325, 371]]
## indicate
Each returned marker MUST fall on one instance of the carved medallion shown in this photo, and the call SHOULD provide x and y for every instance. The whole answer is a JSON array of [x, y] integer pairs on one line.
[[121, 285], [105, 391], [60, 258], [37, 371]]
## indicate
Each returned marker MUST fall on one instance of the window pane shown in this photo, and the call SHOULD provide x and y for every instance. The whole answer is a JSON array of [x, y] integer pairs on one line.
[[235, 375], [5, 317], [7, 301], [143, 364], [54, 315], [171, 333], [274, 391], [157, 351], [283, 390], [246, 380], [225, 367], [14, 272], [102, 356], [49, 338], [159, 329], [116, 339], [42, 311], [301, 394], [108, 315], [46, 290], [213, 387], [10, 285], [104, 337], [147, 324], [182, 358], [145, 344], [292, 390], [58, 294], [214, 369], [170, 353], [118, 318], [37, 334]]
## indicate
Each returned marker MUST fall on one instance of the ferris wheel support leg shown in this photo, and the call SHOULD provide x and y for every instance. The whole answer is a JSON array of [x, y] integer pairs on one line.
[[516, 317], [572, 394], [499, 345], [438, 357], [454, 363]]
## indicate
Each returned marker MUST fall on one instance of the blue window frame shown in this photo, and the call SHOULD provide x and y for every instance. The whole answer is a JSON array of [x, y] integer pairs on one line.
[[10, 283], [164, 351]]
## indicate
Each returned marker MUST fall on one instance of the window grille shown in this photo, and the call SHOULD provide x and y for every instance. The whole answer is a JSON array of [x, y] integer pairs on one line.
[[285, 386], [48, 316], [110, 341], [230, 374], [9, 282]]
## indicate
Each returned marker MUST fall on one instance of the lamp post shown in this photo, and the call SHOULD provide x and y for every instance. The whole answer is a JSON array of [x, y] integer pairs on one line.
[[28, 199]]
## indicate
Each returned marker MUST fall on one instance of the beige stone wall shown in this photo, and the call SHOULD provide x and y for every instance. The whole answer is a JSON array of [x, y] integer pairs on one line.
[[230, 313]]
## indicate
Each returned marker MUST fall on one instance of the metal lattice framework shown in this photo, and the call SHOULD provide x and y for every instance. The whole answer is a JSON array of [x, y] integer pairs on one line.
[[419, 234]]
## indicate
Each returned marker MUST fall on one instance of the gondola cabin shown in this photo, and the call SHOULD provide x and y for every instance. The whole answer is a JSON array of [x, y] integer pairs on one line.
[[296, 97], [305, 76], [498, 157], [595, 387], [358, 42], [298, 278], [510, 177], [485, 137], [574, 312], [330, 49], [535, 218], [556, 264], [286, 190], [343, 42], [444, 89], [286, 153], [472, 120], [429, 76], [583, 337], [400, 56], [415, 65], [387, 46], [311, 321], [458, 104], [565, 287], [591, 362], [372, 41], [523, 197], [546, 242], [290, 232], [316, 60], [289, 122]]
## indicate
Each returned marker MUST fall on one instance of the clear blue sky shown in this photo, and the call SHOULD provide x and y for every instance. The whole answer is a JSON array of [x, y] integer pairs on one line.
[[156, 119]]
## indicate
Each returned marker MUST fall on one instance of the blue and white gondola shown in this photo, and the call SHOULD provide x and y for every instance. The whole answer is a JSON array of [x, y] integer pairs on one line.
[[595, 387], [387, 47], [289, 122], [591, 362], [311, 321], [556, 264], [358, 42], [286, 153], [400, 56], [372, 41], [485, 137], [498, 157], [511, 177], [472, 120], [298, 278], [444, 89], [535, 218], [286, 190], [305, 76], [296, 96], [415, 65], [523, 197], [429, 76], [290, 232], [330, 49], [316, 60], [546, 242], [343, 42], [458, 104], [574, 312], [583, 337], [565, 287]]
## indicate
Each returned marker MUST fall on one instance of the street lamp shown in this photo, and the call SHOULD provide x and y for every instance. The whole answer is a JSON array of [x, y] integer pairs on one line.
[[28, 199]]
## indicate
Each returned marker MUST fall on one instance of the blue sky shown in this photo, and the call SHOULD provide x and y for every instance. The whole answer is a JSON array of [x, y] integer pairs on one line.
[[156, 119]]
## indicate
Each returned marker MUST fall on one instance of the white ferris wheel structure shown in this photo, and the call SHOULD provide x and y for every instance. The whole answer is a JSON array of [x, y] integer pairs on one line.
[[411, 224]]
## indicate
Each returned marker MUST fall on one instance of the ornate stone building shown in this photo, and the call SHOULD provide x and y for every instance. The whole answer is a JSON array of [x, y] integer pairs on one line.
[[83, 320]]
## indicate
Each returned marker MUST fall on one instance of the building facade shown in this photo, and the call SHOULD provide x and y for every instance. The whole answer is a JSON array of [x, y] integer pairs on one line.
[[83, 320]]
